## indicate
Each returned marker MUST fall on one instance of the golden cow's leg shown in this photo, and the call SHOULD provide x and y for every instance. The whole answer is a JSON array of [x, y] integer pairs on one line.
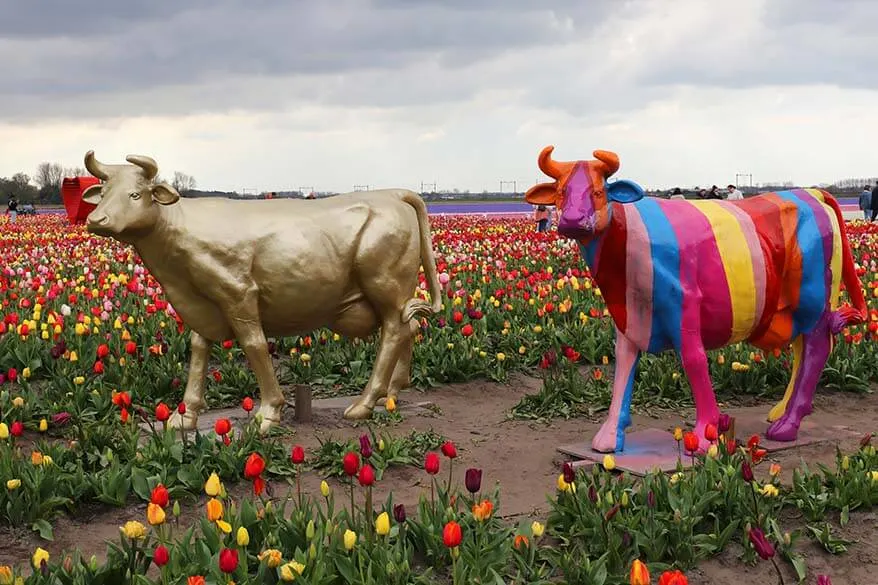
[[402, 372], [393, 339], [193, 398], [252, 339]]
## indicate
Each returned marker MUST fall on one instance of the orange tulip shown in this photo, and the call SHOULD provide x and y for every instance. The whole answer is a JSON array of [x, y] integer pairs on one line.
[[639, 573], [214, 510]]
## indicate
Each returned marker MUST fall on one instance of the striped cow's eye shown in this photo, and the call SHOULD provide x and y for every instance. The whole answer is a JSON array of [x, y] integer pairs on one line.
[[134, 195]]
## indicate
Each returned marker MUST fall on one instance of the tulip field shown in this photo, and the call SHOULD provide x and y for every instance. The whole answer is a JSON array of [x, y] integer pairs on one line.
[[95, 487]]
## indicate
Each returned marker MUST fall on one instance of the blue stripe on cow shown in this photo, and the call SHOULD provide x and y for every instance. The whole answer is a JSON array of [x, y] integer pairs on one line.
[[813, 293], [667, 293]]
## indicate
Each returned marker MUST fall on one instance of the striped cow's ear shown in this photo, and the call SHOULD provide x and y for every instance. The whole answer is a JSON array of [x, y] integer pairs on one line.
[[542, 194]]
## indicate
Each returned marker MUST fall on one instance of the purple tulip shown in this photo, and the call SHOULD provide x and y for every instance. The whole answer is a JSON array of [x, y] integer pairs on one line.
[[399, 513], [650, 499], [473, 480], [760, 543], [60, 419], [724, 423], [365, 447], [747, 472], [824, 580], [569, 473]]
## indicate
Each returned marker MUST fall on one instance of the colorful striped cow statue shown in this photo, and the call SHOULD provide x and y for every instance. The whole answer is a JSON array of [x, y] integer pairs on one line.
[[691, 276]]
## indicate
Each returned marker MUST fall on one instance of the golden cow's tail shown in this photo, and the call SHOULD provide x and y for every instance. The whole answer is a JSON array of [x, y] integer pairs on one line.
[[859, 311], [419, 307]]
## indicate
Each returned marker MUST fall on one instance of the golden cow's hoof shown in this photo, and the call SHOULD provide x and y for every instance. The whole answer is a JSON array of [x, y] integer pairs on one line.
[[269, 416], [358, 411], [187, 422]]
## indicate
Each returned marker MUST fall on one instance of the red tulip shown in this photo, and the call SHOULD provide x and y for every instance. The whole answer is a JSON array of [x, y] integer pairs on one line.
[[298, 455], [367, 475], [761, 544], [103, 351], [162, 412], [351, 464], [123, 416], [222, 427], [466, 330], [247, 404], [228, 344], [12, 375], [160, 496], [431, 463], [98, 368], [673, 578], [254, 466], [181, 408], [161, 556], [690, 442], [17, 429], [228, 560], [130, 348], [449, 450], [710, 432], [452, 535]]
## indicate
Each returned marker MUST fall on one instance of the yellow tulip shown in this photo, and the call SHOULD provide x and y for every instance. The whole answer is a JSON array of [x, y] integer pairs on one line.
[[224, 526], [609, 462], [212, 487], [18, 402], [40, 556], [678, 434], [13, 484], [286, 573], [310, 529], [382, 524], [537, 529], [25, 373], [350, 539], [324, 489], [243, 537], [4, 431], [134, 530]]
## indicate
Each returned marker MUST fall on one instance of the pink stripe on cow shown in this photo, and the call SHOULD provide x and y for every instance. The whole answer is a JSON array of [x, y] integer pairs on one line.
[[701, 270], [638, 276], [756, 254]]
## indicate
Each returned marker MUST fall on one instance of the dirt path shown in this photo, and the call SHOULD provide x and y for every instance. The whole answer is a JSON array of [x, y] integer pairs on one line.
[[522, 456]]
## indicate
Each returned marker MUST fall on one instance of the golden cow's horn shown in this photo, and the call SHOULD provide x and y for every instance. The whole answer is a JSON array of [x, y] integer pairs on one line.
[[553, 168], [149, 166], [610, 160], [98, 169]]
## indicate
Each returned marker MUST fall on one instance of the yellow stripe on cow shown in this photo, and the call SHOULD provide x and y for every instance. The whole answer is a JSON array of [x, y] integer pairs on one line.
[[835, 263], [738, 264]]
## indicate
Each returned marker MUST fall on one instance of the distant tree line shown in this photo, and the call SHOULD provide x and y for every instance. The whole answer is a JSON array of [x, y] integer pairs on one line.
[[44, 187]]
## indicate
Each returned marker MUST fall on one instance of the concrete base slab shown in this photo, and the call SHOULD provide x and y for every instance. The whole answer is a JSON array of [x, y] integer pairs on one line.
[[645, 450], [810, 432]]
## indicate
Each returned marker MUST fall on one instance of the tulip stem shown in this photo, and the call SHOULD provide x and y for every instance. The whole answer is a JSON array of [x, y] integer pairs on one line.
[[777, 569]]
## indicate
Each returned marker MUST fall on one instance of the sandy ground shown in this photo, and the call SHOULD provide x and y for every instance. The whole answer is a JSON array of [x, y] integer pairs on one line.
[[523, 457]]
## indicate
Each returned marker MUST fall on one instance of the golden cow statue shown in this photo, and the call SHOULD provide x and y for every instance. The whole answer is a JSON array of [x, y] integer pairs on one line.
[[255, 269]]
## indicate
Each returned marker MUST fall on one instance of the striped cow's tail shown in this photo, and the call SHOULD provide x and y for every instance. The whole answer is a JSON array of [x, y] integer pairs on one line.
[[847, 315]]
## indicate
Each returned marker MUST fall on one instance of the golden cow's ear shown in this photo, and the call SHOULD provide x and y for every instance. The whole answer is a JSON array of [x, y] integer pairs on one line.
[[542, 194], [164, 194], [93, 194]]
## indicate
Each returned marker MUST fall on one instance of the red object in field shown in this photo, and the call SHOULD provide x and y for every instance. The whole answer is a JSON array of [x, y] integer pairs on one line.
[[71, 194]]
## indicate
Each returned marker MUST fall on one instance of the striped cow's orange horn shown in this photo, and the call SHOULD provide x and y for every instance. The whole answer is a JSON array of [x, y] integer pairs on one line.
[[553, 168], [610, 160]]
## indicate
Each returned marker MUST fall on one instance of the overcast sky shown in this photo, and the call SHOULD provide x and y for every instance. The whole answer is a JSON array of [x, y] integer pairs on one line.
[[272, 95]]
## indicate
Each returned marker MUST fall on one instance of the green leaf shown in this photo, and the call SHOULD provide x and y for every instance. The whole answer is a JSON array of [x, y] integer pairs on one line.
[[44, 529]]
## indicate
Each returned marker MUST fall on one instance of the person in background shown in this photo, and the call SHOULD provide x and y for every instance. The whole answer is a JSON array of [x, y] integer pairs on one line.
[[714, 193], [874, 205], [677, 193], [12, 208], [541, 216], [734, 194], [866, 202]]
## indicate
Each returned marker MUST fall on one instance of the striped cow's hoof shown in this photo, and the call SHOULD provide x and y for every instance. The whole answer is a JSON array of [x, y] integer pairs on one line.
[[783, 429], [607, 441]]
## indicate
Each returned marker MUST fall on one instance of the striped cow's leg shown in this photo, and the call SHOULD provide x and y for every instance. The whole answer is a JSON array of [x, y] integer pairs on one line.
[[694, 359], [781, 407], [817, 345], [611, 436]]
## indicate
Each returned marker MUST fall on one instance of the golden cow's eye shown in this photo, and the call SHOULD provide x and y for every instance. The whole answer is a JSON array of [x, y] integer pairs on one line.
[[134, 195]]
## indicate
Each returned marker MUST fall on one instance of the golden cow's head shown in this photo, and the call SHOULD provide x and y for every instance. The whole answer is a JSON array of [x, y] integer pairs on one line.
[[128, 201], [579, 191]]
